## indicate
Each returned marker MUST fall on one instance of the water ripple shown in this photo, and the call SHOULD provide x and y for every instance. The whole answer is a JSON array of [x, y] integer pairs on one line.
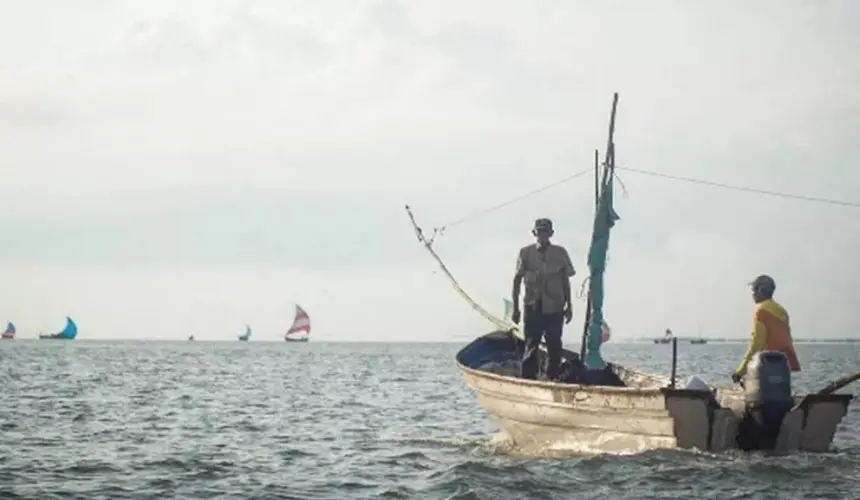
[[278, 421]]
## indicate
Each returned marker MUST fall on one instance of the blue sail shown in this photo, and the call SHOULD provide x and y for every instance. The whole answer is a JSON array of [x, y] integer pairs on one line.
[[10, 327], [604, 219], [70, 331], [247, 331]]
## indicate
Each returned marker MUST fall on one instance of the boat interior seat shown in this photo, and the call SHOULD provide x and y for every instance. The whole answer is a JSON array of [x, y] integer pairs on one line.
[[500, 352], [573, 371]]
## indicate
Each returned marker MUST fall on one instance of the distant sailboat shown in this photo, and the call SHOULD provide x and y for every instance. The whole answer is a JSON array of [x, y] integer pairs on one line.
[[9, 332], [68, 333], [301, 324], [667, 338], [605, 330], [247, 335], [509, 308]]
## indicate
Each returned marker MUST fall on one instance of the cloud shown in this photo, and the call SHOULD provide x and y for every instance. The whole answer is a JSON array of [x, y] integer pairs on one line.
[[151, 148]]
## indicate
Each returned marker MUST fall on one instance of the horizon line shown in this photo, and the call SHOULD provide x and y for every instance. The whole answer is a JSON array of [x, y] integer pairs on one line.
[[635, 340]]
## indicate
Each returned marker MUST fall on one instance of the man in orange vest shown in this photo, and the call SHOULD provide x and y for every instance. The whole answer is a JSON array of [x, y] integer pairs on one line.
[[771, 328]]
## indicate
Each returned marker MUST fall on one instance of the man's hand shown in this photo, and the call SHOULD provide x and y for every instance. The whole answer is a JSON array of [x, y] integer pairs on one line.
[[568, 313], [736, 378], [515, 314]]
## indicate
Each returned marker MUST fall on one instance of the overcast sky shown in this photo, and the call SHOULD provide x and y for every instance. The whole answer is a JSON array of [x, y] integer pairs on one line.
[[169, 168]]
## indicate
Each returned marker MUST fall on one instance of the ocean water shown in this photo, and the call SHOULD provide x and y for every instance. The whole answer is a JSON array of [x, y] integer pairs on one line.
[[137, 420]]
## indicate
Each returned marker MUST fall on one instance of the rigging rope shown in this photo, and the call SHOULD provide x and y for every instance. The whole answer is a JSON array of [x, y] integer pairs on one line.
[[500, 323], [443, 227], [504, 324], [849, 204], [747, 189]]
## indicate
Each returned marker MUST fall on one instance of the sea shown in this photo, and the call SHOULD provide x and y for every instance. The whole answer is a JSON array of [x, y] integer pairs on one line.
[[264, 420]]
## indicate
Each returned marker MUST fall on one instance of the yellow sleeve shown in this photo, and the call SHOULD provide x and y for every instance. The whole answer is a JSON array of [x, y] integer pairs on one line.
[[759, 335]]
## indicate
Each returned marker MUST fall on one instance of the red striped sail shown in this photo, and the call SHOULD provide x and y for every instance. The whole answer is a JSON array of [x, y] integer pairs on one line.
[[301, 323], [605, 332]]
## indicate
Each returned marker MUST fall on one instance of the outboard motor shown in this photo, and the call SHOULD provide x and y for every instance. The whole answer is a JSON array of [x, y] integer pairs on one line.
[[767, 395]]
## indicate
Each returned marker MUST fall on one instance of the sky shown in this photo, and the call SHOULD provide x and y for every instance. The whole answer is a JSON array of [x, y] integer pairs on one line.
[[171, 168]]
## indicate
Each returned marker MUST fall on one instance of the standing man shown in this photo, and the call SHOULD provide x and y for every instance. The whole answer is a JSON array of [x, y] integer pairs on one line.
[[771, 328], [546, 270]]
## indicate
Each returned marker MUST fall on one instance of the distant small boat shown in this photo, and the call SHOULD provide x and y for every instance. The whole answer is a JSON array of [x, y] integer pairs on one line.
[[9, 332], [68, 333], [191, 338], [667, 338], [247, 335], [605, 330], [699, 341], [301, 325]]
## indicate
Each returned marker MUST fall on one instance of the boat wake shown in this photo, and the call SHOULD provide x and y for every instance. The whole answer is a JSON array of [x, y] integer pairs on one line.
[[602, 443]]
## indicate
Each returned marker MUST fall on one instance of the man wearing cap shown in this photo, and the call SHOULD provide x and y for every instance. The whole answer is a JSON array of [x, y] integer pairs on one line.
[[546, 270], [771, 328]]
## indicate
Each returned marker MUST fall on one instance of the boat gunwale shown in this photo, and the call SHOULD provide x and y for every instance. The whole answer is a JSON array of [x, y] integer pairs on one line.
[[646, 413], [806, 400], [545, 384], [653, 391]]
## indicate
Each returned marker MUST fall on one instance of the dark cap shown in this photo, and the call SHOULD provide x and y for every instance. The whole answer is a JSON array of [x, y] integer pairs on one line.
[[543, 224], [764, 281]]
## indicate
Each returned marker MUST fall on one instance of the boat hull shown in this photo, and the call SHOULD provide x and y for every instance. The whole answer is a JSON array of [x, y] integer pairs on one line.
[[305, 339], [539, 416]]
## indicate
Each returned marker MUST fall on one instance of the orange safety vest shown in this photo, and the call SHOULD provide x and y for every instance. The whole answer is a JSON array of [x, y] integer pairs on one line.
[[771, 322]]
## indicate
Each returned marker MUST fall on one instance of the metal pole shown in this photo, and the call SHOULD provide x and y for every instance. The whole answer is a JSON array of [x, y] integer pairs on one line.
[[674, 361], [588, 300]]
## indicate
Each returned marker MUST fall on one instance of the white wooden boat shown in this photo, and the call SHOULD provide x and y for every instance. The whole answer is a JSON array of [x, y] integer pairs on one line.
[[646, 413], [603, 407]]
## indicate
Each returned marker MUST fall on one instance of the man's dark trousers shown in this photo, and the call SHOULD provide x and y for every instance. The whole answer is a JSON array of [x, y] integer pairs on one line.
[[538, 325]]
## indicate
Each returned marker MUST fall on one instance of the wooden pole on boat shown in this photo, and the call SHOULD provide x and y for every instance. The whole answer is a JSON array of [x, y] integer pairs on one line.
[[839, 383], [831, 387], [674, 361], [588, 300]]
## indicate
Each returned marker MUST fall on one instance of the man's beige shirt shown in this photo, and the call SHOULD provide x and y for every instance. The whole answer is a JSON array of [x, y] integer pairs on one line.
[[544, 272]]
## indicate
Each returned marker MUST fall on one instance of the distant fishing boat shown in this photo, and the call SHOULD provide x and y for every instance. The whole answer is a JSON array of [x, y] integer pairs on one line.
[[301, 325], [247, 335], [68, 333], [605, 330], [9, 332], [699, 339], [667, 338]]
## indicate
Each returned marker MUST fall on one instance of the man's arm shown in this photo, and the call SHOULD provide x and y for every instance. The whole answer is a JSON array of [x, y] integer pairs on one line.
[[756, 344], [519, 272], [565, 286], [569, 272]]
